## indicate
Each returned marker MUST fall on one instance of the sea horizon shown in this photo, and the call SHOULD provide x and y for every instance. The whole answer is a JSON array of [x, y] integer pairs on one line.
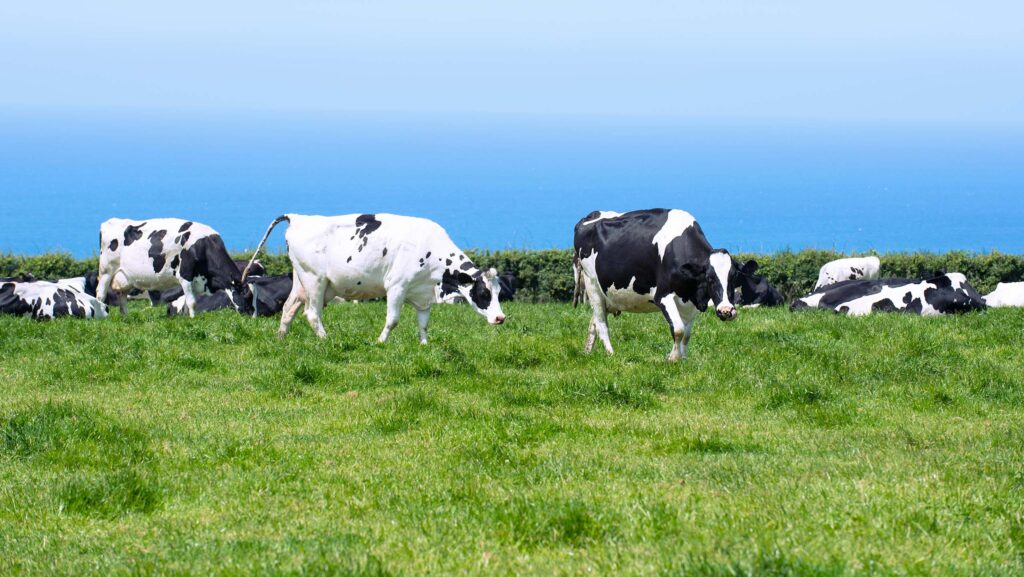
[[514, 181]]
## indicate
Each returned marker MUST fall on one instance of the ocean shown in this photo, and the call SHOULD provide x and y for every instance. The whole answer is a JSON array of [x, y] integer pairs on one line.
[[500, 182]]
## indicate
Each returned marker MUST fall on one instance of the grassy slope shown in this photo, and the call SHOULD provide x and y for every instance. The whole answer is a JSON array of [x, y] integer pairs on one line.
[[787, 444]]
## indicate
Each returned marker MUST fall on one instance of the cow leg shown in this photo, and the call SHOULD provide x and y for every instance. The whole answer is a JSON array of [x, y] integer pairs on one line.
[[291, 306], [675, 324], [315, 307], [591, 337], [190, 297], [423, 317], [396, 296], [600, 318], [688, 313]]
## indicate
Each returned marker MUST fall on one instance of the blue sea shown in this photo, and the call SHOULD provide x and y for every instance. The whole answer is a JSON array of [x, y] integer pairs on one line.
[[499, 182]]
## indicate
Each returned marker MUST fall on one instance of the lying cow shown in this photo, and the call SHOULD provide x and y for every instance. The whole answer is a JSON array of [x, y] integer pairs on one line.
[[507, 285], [854, 268], [943, 294], [268, 295], [48, 300], [1007, 294], [365, 256], [754, 290], [647, 261], [164, 253], [175, 294]]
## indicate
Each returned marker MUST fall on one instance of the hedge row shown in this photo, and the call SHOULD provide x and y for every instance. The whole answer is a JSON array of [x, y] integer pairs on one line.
[[546, 275]]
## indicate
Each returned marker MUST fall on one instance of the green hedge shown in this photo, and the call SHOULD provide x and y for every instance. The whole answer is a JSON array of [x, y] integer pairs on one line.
[[546, 275]]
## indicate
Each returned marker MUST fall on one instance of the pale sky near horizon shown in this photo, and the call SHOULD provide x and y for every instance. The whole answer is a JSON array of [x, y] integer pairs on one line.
[[807, 59]]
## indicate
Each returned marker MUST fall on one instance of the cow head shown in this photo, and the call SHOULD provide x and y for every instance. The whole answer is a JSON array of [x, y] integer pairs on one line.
[[481, 291], [755, 290], [715, 281], [953, 294]]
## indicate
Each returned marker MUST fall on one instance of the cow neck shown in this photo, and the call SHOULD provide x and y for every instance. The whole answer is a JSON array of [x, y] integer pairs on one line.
[[454, 261]]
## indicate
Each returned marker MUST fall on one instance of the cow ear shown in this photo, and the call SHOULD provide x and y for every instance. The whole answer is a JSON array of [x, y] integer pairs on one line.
[[749, 267]]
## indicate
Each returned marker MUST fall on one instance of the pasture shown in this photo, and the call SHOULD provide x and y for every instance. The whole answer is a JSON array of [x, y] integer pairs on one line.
[[788, 444]]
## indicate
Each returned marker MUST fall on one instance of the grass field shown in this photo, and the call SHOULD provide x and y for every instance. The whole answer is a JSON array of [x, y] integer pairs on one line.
[[788, 444]]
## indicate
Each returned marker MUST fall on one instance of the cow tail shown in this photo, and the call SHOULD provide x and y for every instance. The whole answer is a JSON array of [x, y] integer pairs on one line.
[[577, 291], [259, 247]]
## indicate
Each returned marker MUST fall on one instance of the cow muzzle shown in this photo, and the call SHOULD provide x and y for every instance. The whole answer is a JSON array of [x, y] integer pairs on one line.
[[726, 313], [497, 320]]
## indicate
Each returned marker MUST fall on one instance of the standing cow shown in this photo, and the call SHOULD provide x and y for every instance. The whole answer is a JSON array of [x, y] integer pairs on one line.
[[163, 253], [647, 261], [365, 256], [854, 268]]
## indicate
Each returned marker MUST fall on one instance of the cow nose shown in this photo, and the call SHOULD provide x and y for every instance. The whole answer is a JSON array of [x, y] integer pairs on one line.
[[726, 314], [499, 319]]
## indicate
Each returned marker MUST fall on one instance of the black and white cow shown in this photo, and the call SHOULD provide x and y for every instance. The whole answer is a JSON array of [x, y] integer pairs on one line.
[[648, 261], [943, 294], [1007, 294], [164, 253], [268, 295], [853, 268], [507, 286], [365, 256], [756, 291], [48, 300]]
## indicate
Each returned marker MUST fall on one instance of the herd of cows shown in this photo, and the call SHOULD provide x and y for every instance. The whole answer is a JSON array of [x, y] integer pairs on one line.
[[654, 260]]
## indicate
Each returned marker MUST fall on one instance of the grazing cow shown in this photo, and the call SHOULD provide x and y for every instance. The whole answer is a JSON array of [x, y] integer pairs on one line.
[[269, 294], [943, 294], [365, 256], [48, 300], [507, 286], [755, 291], [854, 268], [1007, 294], [647, 261], [163, 253]]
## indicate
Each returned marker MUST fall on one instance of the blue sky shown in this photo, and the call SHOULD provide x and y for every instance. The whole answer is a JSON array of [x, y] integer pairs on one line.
[[911, 60]]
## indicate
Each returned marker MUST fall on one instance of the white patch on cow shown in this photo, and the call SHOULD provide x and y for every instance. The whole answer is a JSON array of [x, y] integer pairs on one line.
[[812, 300], [853, 268], [721, 264], [1007, 294], [601, 216], [628, 300], [678, 221]]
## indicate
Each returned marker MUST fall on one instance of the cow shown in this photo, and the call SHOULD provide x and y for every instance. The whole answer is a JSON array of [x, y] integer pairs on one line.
[[943, 294], [1007, 294], [365, 256], [174, 294], [163, 253], [268, 296], [507, 286], [48, 300], [647, 261], [754, 290], [854, 268]]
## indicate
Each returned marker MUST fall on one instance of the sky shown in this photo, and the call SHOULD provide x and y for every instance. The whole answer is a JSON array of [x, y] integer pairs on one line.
[[928, 61]]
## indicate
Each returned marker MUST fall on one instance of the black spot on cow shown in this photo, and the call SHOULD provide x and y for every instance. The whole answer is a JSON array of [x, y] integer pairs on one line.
[[366, 224], [448, 262], [184, 227], [156, 249], [132, 233], [184, 238], [428, 254], [466, 265], [113, 245], [349, 259], [462, 257], [359, 282], [884, 305], [175, 262], [385, 253]]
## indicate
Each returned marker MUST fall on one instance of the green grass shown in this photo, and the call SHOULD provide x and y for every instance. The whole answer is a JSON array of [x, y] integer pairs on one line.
[[788, 444]]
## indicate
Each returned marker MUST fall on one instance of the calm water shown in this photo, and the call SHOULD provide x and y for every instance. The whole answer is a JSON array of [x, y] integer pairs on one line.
[[513, 182]]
